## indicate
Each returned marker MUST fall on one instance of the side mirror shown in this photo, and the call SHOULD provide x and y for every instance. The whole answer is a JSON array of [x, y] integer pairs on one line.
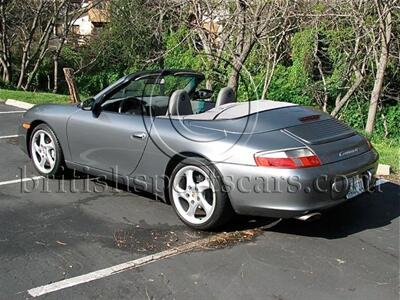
[[203, 94], [96, 109], [91, 105], [87, 104]]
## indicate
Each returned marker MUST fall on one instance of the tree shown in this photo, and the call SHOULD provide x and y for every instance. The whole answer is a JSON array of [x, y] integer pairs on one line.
[[228, 30], [354, 52], [383, 11], [70, 13], [7, 8]]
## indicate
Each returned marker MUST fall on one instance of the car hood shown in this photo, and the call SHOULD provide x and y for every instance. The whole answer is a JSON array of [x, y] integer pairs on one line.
[[50, 111]]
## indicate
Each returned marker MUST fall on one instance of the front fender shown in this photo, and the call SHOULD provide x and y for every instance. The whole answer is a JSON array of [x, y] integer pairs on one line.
[[55, 116]]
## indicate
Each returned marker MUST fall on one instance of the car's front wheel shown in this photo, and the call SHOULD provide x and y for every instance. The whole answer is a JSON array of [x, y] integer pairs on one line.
[[46, 152], [197, 195]]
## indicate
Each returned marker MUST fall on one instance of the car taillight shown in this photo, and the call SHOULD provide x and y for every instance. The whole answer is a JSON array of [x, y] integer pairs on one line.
[[291, 159]]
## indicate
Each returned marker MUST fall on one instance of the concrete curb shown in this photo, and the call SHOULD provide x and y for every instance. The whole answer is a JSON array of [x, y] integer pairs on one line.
[[19, 104], [383, 170]]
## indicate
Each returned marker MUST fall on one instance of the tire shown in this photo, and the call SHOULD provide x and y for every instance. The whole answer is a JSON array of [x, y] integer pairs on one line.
[[49, 150], [200, 203]]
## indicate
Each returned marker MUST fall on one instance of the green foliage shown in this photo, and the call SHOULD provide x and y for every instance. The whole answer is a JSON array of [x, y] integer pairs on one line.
[[130, 37], [289, 82], [353, 114], [43, 76], [389, 152], [388, 121], [252, 77], [282, 89], [91, 84], [179, 51], [70, 56], [91, 80], [6, 85], [302, 46], [292, 83]]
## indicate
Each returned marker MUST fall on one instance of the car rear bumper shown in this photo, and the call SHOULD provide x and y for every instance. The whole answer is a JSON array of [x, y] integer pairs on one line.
[[287, 193]]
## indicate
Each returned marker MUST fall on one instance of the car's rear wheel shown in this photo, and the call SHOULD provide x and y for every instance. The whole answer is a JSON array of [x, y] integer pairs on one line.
[[197, 195], [45, 150]]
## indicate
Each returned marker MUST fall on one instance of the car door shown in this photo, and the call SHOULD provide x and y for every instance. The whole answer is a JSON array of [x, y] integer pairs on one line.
[[113, 141]]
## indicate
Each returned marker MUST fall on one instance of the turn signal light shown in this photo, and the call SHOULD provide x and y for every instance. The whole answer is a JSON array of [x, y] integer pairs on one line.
[[291, 159], [26, 125]]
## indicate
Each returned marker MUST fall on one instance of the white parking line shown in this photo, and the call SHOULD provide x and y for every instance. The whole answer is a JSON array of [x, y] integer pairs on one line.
[[133, 264], [9, 136], [13, 112], [66, 283], [20, 180], [380, 181]]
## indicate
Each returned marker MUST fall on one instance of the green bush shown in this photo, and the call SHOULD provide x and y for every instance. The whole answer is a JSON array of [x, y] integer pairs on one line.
[[91, 84]]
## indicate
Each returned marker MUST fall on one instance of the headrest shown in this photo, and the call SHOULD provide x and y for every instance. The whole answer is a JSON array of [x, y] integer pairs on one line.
[[225, 95], [179, 104]]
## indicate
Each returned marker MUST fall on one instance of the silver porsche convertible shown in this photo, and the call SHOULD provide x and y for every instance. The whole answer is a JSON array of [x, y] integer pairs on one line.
[[162, 132]]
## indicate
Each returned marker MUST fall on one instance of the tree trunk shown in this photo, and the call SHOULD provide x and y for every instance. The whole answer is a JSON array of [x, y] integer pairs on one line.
[[208, 84], [22, 73], [6, 70], [56, 57], [55, 71], [48, 82], [380, 73], [42, 49], [234, 78], [27, 45], [268, 76], [73, 90], [5, 59], [373, 106], [238, 62], [341, 102]]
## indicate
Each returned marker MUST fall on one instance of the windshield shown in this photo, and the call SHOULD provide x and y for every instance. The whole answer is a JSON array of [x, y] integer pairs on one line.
[[165, 85], [156, 86], [152, 90]]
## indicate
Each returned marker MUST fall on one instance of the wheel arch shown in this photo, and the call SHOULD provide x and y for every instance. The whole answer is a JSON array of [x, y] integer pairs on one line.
[[174, 161], [29, 132]]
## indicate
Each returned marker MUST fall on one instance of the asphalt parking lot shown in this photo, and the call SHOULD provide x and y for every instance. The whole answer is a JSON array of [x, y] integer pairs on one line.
[[48, 234]]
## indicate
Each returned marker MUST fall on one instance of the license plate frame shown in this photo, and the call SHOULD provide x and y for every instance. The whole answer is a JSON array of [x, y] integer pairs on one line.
[[356, 187]]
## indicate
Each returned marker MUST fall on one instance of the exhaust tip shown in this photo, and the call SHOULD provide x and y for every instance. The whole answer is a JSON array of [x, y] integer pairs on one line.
[[309, 217]]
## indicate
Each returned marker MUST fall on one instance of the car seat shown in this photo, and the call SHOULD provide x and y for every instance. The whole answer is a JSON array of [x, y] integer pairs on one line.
[[225, 95], [179, 104]]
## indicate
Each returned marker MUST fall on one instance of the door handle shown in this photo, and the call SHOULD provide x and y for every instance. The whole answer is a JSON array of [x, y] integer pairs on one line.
[[139, 135]]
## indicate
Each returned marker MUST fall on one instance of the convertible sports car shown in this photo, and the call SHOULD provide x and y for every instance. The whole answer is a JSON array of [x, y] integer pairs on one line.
[[160, 132]]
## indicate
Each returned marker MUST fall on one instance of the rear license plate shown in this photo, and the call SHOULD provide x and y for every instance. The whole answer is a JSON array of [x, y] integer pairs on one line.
[[356, 187]]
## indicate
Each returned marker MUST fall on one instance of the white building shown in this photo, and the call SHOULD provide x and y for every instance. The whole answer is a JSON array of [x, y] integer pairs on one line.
[[90, 22]]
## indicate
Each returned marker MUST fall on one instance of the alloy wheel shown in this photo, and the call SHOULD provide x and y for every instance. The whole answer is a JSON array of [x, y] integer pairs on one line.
[[43, 151], [194, 195]]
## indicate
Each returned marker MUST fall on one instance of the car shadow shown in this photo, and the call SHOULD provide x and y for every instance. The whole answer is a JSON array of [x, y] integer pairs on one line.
[[368, 211], [365, 212], [107, 184]]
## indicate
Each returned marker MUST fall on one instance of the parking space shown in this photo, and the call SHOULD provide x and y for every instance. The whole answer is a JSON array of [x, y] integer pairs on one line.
[[53, 230], [9, 117], [63, 235], [12, 161], [13, 164]]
